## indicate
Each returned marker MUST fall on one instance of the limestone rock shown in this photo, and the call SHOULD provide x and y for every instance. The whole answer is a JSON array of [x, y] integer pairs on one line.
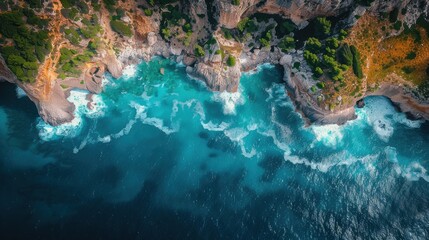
[[151, 38]]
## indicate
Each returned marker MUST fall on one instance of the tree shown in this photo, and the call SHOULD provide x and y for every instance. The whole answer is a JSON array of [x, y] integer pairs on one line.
[[235, 2], [345, 55], [199, 51], [121, 28], [287, 43], [318, 72], [15, 60], [311, 58], [357, 66], [323, 26], [230, 61], [148, 12], [313, 45], [332, 43]]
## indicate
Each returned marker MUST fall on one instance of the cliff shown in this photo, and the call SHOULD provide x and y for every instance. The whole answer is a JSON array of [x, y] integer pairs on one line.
[[219, 39]]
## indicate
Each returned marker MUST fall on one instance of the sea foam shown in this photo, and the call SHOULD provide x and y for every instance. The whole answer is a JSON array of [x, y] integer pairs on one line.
[[71, 129], [20, 93], [229, 101]]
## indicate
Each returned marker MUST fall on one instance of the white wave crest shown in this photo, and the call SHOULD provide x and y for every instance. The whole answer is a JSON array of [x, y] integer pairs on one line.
[[20, 93], [229, 101], [71, 129], [215, 127], [237, 135], [129, 72], [411, 170], [341, 159], [156, 122], [329, 135]]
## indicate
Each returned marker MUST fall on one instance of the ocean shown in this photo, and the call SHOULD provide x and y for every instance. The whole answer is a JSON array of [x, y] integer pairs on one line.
[[162, 157]]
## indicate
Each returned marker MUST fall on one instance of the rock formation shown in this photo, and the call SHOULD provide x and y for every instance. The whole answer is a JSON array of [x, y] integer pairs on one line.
[[150, 37]]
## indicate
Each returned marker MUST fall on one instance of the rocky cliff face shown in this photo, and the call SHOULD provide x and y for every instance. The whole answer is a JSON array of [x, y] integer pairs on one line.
[[207, 20]]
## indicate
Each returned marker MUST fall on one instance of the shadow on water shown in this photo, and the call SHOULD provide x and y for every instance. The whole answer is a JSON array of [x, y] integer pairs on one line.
[[21, 114], [9, 100]]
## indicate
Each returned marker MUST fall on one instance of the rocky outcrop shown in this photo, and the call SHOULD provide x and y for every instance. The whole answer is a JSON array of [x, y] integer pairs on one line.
[[298, 91], [54, 108], [216, 78]]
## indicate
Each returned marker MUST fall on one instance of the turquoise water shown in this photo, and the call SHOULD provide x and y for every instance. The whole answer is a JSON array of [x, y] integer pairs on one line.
[[161, 157]]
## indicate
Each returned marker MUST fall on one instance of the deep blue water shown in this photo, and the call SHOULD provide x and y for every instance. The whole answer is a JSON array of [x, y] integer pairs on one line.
[[161, 157]]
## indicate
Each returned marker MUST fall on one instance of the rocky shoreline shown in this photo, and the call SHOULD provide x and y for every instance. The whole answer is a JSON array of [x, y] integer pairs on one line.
[[120, 51], [57, 110]]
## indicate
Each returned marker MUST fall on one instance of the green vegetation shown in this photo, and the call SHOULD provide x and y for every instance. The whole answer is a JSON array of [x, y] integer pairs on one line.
[[172, 18], [247, 25], [29, 47], [322, 27], [110, 5], [393, 15], [266, 39], [34, 3], [397, 26], [72, 35], [285, 27], [70, 13], [357, 65], [199, 51], [148, 12], [311, 58], [70, 61], [231, 61], [287, 43], [345, 55], [235, 2], [411, 55], [227, 33], [121, 28], [313, 45], [408, 69]]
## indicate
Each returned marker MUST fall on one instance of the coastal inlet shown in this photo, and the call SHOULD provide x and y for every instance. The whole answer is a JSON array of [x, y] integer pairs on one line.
[[159, 156]]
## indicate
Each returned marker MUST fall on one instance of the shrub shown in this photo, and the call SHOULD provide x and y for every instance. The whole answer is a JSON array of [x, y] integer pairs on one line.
[[311, 58], [227, 34], [345, 55], [397, 26], [110, 5], [320, 85], [313, 45], [121, 28], [323, 26], [357, 65], [187, 27], [408, 69], [148, 12], [217, 52], [411, 55], [230, 61], [166, 33], [332, 43], [199, 51], [235, 2], [343, 34], [242, 24], [318, 72], [264, 42], [287, 43]]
